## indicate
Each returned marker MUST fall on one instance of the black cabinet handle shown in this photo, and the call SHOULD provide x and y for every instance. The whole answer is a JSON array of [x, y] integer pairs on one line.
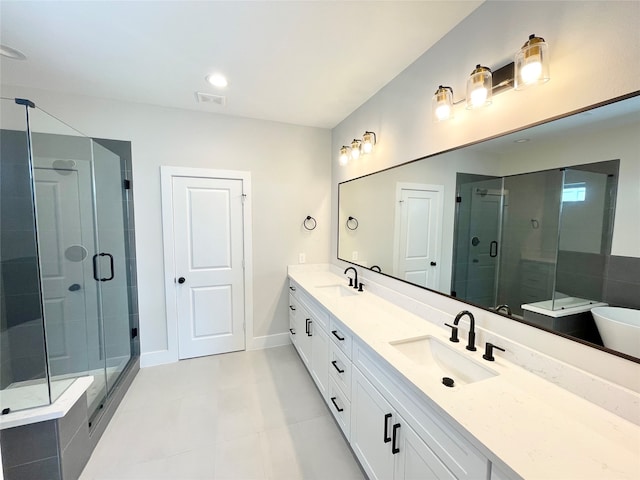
[[95, 268], [293, 332], [333, 400], [335, 334], [493, 249], [292, 308], [293, 289], [308, 327], [386, 437], [336, 367], [394, 448]]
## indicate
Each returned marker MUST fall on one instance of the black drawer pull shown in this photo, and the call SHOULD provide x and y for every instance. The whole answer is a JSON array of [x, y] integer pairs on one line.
[[308, 327], [293, 289], [292, 308], [394, 448], [335, 334], [333, 400], [293, 332], [336, 367], [386, 437]]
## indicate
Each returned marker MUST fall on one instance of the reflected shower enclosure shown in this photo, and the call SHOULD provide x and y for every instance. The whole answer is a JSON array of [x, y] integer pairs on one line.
[[536, 238], [67, 269]]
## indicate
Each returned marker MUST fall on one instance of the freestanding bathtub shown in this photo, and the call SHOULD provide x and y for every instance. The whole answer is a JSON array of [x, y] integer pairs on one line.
[[619, 328]]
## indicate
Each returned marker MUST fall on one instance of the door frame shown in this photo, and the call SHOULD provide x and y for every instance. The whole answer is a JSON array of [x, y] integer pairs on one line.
[[167, 174]]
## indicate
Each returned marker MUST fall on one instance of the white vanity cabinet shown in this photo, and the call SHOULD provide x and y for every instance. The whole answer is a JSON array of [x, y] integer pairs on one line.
[[309, 335], [384, 442], [393, 431]]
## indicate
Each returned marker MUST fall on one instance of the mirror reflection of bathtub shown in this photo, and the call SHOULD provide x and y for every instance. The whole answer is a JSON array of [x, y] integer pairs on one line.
[[565, 314], [619, 328]]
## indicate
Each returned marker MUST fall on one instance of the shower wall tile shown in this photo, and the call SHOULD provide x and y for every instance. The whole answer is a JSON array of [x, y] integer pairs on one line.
[[28, 443], [48, 468], [580, 274], [622, 282]]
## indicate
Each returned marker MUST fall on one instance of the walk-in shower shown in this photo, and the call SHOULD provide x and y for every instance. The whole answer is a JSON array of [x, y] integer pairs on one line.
[[67, 261]]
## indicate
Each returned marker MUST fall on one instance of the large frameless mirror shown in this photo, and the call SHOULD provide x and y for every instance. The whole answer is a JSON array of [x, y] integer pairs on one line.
[[539, 224]]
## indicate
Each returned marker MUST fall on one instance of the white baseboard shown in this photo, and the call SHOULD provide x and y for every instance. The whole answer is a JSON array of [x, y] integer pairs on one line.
[[162, 357], [269, 341], [159, 357]]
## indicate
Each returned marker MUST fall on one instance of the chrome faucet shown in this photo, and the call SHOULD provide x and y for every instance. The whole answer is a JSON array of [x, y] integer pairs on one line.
[[472, 328], [353, 282], [504, 307]]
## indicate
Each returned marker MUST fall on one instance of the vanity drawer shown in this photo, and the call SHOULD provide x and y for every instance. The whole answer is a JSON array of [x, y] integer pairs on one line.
[[292, 330], [320, 315], [340, 407], [340, 369], [293, 288], [340, 337]]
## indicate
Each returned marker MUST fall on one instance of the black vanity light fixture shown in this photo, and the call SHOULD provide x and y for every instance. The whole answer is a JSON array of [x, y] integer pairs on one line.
[[357, 147], [530, 67]]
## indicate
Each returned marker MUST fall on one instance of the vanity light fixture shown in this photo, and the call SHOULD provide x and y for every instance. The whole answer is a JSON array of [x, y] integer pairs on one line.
[[532, 63], [344, 155], [368, 141], [356, 146], [479, 87], [530, 67], [442, 104]]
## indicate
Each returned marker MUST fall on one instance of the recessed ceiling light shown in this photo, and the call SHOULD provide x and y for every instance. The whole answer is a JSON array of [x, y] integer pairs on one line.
[[521, 140], [11, 53], [217, 80]]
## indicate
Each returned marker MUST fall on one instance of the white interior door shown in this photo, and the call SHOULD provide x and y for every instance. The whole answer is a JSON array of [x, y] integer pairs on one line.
[[418, 235], [209, 274]]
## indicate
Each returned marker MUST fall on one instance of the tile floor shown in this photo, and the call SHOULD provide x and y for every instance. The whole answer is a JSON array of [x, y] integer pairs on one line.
[[243, 415]]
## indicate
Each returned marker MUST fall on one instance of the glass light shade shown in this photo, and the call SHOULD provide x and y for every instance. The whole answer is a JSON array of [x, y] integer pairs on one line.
[[355, 149], [368, 141], [532, 63], [479, 86], [344, 155], [442, 104]]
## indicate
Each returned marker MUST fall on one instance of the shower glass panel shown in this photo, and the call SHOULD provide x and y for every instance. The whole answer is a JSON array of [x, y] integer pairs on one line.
[[586, 226], [23, 364], [62, 175], [477, 243], [530, 238]]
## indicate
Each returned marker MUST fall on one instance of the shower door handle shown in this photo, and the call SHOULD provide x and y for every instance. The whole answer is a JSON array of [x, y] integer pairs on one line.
[[95, 267], [493, 249]]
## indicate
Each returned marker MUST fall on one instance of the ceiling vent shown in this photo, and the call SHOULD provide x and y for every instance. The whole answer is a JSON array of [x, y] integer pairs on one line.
[[210, 98]]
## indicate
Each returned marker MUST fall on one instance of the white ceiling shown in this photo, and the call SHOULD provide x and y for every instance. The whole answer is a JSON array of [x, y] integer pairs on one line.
[[304, 62]]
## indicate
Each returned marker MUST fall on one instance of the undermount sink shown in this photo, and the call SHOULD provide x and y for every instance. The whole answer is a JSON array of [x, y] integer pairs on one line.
[[337, 290], [443, 361]]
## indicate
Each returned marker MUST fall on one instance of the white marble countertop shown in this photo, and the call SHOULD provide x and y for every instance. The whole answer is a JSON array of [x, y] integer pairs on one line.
[[535, 427]]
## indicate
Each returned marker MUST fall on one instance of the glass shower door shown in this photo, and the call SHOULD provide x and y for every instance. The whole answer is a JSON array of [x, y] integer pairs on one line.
[[112, 232]]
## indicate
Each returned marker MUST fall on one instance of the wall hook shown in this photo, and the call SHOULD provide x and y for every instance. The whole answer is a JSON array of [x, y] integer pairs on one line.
[[352, 223], [310, 223]]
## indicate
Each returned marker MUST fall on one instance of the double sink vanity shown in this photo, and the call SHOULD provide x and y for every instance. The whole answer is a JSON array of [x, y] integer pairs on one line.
[[412, 403]]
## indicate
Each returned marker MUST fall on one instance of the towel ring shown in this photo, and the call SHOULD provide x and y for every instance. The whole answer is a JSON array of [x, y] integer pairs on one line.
[[310, 223], [352, 223]]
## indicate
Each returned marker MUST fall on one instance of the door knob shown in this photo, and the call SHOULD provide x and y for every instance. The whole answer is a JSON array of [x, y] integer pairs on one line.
[[433, 264], [74, 287], [181, 280]]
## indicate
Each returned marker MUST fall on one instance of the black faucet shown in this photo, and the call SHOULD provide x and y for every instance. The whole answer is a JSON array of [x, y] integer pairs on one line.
[[472, 329], [504, 307], [376, 268], [353, 282]]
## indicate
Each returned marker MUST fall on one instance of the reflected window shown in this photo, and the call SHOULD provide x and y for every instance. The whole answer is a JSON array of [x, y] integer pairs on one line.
[[574, 192]]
